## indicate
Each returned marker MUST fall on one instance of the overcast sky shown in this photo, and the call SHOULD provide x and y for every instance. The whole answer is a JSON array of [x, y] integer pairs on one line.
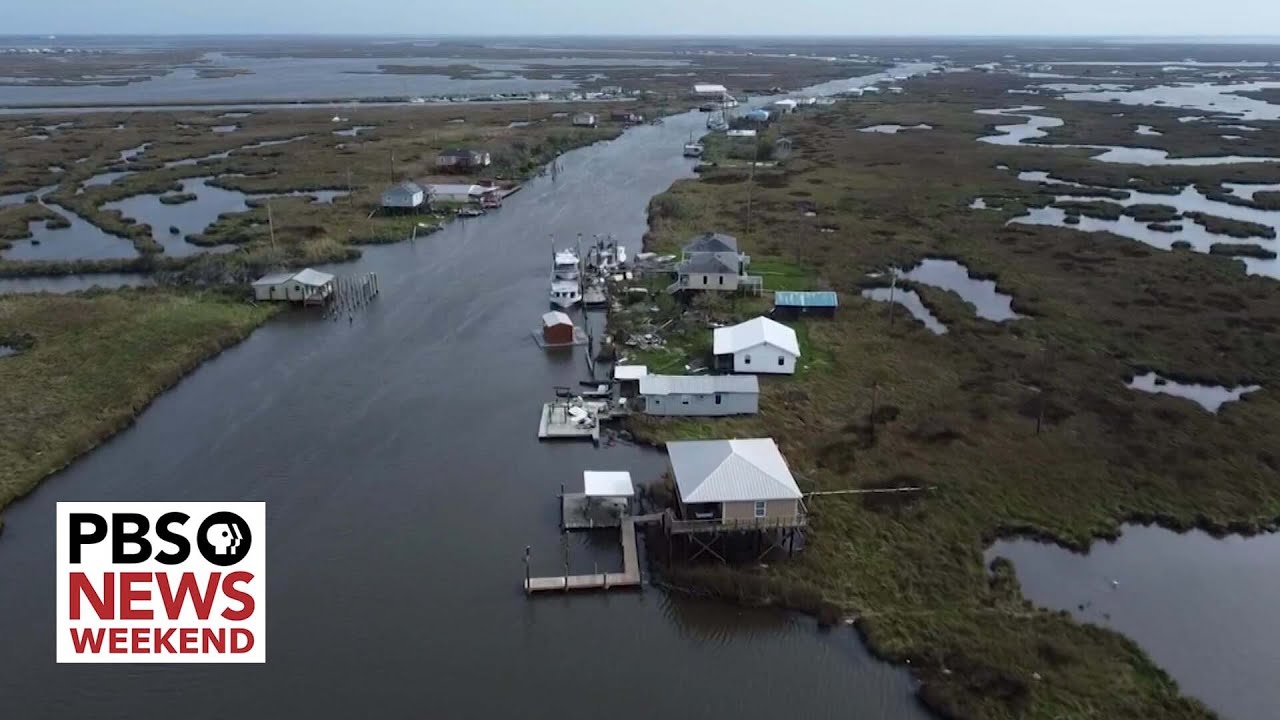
[[645, 17]]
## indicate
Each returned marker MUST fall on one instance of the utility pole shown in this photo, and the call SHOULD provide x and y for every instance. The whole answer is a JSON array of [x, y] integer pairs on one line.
[[751, 180], [271, 226], [351, 200], [893, 289]]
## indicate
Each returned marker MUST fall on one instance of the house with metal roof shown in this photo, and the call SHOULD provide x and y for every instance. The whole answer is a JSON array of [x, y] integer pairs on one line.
[[405, 196], [734, 484], [711, 262], [759, 345], [793, 303], [309, 287], [699, 395]]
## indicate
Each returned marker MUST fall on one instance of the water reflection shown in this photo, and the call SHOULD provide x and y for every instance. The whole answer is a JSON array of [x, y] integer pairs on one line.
[[893, 129]]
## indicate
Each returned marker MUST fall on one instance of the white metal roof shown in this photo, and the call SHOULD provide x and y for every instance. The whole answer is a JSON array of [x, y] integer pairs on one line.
[[630, 372], [273, 279], [313, 277], [607, 484], [456, 189], [698, 384], [306, 277], [709, 88], [555, 317], [755, 332], [731, 471]]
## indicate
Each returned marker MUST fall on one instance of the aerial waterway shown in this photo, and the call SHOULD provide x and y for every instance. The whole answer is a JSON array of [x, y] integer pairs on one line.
[[398, 460]]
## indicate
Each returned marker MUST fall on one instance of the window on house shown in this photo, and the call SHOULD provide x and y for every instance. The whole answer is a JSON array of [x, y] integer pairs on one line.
[[760, 508], [746, 359], [684, 399], [781, 362], [704, 279], [721, 279], [717, 398]]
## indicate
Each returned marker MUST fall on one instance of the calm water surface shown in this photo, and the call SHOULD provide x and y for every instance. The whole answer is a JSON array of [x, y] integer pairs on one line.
[[1204, 609], [399, 462]]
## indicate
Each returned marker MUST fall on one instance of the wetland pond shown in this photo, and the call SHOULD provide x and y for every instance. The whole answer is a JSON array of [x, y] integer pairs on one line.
[[909, 300], [988, 302], [1203, 608], [1035, 127], [1188, 200], [1209, 397]]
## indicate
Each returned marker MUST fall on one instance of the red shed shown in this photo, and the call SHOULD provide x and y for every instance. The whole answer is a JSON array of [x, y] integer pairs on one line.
[[557, 329]]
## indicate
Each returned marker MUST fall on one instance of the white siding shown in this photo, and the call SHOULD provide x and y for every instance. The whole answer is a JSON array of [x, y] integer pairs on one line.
[[710, 281], [764, 359], [702, 405]]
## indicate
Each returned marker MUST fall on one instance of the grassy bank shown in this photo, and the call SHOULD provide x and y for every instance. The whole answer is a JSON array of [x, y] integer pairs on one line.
[[89, 363], [959, 412]]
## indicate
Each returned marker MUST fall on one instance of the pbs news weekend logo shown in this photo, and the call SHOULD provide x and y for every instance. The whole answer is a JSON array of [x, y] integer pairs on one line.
[[161, 582]]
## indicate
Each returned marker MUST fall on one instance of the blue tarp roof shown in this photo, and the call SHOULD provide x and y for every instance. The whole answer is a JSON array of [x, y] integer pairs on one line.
[[792, 298]]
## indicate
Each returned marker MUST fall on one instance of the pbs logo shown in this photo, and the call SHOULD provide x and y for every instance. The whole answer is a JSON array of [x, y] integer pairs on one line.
[[224, 538]]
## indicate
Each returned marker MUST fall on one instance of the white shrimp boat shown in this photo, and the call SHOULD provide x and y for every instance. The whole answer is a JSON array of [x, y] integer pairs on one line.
[[566, 279]]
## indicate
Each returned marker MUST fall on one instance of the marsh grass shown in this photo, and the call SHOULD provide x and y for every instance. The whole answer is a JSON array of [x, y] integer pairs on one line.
[[91, 362]]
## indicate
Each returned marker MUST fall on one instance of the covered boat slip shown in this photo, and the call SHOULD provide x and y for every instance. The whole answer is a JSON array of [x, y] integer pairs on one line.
[[603, 503]]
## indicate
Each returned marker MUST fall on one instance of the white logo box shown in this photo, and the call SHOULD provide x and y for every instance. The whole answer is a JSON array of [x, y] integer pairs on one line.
[[186, 631]]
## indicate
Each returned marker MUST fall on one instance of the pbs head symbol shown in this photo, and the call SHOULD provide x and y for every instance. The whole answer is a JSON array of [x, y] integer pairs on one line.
[[224, 538]]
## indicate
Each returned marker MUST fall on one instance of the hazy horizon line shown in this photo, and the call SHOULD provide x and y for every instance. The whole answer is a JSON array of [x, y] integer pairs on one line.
[[891, 36]]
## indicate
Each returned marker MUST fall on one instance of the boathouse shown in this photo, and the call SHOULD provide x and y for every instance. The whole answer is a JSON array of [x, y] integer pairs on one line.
[[759, 345], [309, 287], [557, 329], [733, 485], [700, 395], [405, 196], [628, 379], [462, 193], [462, 159], [792, 304]]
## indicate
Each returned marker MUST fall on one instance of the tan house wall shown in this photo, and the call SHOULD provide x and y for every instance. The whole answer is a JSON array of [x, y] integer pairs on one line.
[[747, 510], [695, 281]]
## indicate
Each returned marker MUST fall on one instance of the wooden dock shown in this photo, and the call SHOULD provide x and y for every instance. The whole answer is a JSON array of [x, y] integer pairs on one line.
[[556, 424], [628, 578]]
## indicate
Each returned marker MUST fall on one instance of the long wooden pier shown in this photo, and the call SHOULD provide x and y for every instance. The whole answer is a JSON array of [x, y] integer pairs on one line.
[[628, 578]]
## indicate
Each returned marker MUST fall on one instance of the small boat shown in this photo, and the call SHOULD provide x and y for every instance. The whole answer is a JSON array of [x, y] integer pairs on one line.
[[490, 201], [716, 123], [693, 150], [566, 281], [470, 212]]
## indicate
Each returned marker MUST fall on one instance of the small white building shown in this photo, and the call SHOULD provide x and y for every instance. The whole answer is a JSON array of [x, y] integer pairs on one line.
[[585, 119], [309, 287], [760, 345], [709, 89], [700, 395], [459, 192], [405, 196]]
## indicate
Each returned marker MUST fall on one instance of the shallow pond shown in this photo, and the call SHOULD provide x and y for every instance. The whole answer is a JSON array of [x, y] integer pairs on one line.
[[189, 218], [893, 129], [988, 302], [224, 128], [1190, 199], [1147, 130], [354, 130], [1203, 608], [82, 240], [912, 302], [1034, 127], [1209, 397], [1221, 99]]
